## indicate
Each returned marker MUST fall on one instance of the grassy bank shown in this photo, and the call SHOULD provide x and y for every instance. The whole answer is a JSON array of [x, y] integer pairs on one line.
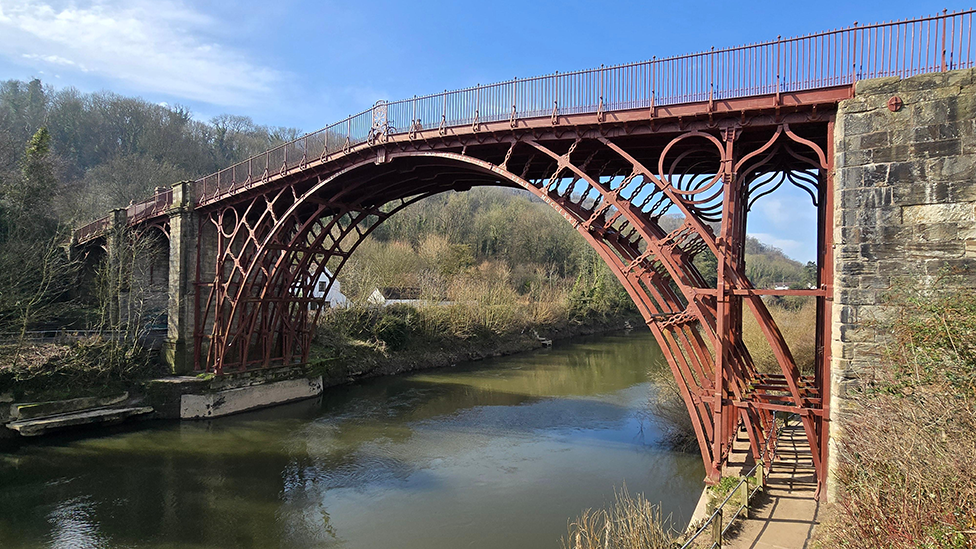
[[907, 475], [93, 366], [368, 341], [630, 522]]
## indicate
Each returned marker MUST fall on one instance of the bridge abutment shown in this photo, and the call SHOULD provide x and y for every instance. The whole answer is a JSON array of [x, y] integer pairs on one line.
[[905, 216], [183, 250]]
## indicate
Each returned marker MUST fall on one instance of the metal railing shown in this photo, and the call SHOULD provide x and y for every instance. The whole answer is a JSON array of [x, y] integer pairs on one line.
[[821, 60], [93, 229], [715, 523], [159, 203]]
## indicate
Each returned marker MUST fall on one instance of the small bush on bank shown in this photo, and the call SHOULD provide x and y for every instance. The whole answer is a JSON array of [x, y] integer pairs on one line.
[[909, 452], [668, 406], [92, 365]]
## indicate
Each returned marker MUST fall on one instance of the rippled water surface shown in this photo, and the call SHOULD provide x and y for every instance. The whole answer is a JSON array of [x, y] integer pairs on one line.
[[500, 454]]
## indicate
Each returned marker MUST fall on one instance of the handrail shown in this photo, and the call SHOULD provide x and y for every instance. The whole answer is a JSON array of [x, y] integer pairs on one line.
[[825, 59], [744, 479]]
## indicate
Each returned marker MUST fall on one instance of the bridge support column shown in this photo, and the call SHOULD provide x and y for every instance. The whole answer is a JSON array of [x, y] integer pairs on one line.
[[114, 245], [183, 242]]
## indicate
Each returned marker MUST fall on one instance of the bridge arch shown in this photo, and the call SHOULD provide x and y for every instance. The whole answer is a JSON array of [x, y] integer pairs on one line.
[[273, 247]]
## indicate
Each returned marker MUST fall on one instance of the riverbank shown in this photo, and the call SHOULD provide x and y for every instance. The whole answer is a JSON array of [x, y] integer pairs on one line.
[[335, 361], [344, 359]]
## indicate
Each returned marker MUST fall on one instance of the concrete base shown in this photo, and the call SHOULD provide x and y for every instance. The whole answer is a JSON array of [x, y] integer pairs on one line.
[[104, 416], [242, 399], [33, 410]]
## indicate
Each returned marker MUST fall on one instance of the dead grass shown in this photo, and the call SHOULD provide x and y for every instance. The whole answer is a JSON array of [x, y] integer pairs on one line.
[[909, 452], [797, 321], [30, 355], [669, 408], [92, 365], [631, 522]]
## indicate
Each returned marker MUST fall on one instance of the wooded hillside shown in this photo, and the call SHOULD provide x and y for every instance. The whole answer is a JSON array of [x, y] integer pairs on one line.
[[68, 157]]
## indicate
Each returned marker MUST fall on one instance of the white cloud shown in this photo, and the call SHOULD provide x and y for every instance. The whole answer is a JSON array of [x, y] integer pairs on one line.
[[54, 60], [786, 211], [792, 248], [163, 47]]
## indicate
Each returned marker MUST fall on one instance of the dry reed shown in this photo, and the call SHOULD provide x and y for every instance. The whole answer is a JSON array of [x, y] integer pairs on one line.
[[631, 522], [798, 326]]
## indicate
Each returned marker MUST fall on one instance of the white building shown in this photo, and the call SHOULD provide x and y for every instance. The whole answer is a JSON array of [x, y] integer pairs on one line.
[[334, 297]]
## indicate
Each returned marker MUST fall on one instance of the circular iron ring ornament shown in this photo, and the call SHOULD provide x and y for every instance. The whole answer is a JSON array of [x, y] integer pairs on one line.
[[698, 187]]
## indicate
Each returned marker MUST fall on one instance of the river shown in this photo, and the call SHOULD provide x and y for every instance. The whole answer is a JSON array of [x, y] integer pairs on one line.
[[501, 453]]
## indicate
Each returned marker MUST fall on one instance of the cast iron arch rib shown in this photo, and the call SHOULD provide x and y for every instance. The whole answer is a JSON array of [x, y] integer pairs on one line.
[[274, 247]]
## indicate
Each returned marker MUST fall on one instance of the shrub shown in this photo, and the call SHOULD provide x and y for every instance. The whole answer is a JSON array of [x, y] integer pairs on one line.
[[906, 464]]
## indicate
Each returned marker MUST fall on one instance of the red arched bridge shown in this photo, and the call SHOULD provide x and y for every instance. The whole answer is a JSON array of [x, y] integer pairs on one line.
[[701, 136]]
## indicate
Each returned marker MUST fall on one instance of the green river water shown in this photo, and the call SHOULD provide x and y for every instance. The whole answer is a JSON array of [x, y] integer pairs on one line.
[[500, 454]]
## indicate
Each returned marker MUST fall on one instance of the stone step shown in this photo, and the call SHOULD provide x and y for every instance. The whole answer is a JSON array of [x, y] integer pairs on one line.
[[33, 410], [103, 416]]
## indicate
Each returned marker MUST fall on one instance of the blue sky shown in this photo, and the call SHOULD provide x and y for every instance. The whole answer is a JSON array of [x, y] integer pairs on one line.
[[308, 63]]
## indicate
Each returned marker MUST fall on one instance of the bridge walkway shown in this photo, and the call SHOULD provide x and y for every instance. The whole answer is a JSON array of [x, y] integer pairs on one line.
[[787, 514]]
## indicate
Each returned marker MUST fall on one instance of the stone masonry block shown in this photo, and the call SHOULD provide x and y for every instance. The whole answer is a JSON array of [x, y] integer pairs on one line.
[[967, 231], [876, 86], [874, 140], [948, 147], [864, 123], [895, 153], [962, 268], [935, 250], [939, 111], [936, 132], [936, 232], [920, 192], [907, 171], [939, 213]]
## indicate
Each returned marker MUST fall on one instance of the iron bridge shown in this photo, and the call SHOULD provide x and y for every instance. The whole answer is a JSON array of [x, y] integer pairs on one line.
[[613, 150]]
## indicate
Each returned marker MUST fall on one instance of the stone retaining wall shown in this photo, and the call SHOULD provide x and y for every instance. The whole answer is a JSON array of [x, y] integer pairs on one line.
[[905, 213]]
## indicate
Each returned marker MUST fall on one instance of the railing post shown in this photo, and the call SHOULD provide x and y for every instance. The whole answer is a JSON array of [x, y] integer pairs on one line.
[[744, 493], [944, 20], [711, 79], [717, 529], [653, 84], [513, 119], [779, 58], [443, 127], [854, 54], [555, 99], [477, 107]]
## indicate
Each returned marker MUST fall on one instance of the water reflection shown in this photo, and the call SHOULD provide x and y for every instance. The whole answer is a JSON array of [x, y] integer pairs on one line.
[[500, 454]]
